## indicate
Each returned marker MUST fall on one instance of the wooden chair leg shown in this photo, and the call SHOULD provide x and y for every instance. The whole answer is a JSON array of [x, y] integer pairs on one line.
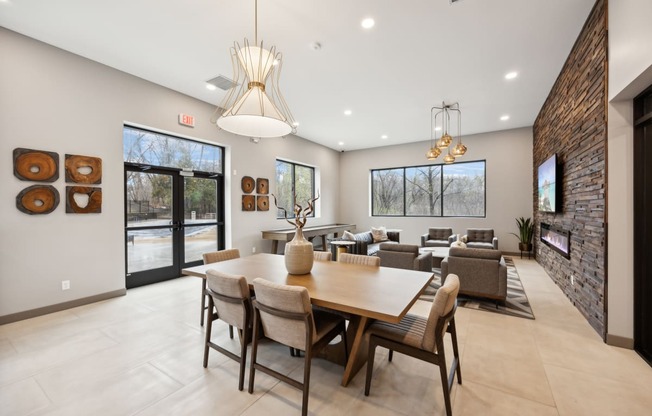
[[203, 302], [231, 331], [209, 329], [244, 341], [254, 352], [306, 384], [390, 356], [370, 364], [444, 381], [456, 354]]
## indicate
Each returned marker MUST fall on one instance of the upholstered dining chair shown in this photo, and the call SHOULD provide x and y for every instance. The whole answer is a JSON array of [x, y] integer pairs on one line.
[[422, 338], [359, 259], [215, 257], [322, 255], [229, 297], [284, 314]]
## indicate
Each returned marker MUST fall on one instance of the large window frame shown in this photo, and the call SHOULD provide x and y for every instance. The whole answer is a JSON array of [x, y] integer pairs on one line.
[[402, 171], [288, 201]]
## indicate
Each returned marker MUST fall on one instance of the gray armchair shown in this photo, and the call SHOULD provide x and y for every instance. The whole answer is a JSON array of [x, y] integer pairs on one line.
[[438, 237], [404, 256], [482, 272], [480, 238]]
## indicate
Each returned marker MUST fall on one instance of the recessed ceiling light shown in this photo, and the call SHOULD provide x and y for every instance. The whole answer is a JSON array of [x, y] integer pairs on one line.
[[384, 136], [340, 143], [504, 118], [209, 86], [511, 75], [368, 23], [347, 112], [437, 128]]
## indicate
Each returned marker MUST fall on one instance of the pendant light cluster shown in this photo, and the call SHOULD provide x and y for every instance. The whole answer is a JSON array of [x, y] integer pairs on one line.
[[254, 106], [440, 120]]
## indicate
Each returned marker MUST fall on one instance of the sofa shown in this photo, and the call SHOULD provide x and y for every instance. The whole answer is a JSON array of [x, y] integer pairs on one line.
[[438, 237], [365, 244], [482, 272], [404, 256], [480, 238]]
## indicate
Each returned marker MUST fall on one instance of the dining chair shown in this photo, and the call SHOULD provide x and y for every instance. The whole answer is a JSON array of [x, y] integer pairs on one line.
[[359, 259], [284, 314], [229, 297], [322, 255], [422, 338], [215, 257]]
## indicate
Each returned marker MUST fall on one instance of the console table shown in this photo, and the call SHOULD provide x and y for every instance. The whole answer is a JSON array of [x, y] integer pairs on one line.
[[287, 234]]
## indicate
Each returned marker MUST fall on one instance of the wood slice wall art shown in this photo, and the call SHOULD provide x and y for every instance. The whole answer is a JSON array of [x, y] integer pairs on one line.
[[248, 184], [37, 199], [262, 186], [248, 203], [94, 195], [262, 202], [36, 165], [83, 169]]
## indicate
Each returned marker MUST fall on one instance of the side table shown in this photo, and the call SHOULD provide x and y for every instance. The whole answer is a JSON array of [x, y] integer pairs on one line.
[[340, 246]]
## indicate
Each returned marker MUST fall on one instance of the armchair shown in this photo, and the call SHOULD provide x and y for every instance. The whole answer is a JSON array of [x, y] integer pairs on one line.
[[404, 256], [480, 238], [482, 272], [438, 237]]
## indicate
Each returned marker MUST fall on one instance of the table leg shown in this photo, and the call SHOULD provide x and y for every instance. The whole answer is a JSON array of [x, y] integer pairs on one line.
[[274, 246], [359, 347], [323, 243]]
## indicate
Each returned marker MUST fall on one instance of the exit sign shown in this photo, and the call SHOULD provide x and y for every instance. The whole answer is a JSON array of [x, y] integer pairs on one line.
[[186, 120]]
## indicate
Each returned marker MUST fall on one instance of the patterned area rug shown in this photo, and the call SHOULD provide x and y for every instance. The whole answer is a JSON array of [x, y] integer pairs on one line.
[[517, 303]]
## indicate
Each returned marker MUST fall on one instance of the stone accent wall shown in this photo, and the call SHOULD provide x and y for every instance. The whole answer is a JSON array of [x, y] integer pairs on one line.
[[573, 124]]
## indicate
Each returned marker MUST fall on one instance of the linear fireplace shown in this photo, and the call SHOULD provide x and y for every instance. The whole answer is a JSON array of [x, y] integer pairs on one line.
[[556, 238]]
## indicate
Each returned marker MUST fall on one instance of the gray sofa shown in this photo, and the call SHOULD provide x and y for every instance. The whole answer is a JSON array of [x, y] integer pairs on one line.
[[364, 242], [438, 237], [480, 238], [404, 256], [482, 272]]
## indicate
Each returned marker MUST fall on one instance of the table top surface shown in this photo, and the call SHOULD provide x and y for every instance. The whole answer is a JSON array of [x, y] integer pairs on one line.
[[436, 251], [376, 292]]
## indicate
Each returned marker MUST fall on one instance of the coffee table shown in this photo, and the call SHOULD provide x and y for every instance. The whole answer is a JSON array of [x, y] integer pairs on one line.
[[438, 254]]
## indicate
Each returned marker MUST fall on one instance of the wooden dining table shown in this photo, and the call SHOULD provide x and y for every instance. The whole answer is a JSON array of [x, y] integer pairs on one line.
[[364, 293]]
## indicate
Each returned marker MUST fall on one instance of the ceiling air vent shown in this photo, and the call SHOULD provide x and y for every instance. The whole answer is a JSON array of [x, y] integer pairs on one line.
[[222, 82]]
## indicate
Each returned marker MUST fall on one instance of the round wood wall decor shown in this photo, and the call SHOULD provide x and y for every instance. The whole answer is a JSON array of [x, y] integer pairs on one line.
[[37, 199], [248, 184], [248, 203], [262, 186], [262, 202], [36, 165], [94, 205], [83, 169]]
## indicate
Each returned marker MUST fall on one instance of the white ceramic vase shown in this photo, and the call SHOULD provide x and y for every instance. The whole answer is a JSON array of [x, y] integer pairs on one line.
[[298, 254]]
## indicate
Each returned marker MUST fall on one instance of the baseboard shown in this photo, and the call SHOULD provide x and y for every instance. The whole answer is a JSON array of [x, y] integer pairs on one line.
[[32, 313], [517, 255], [618, 341]]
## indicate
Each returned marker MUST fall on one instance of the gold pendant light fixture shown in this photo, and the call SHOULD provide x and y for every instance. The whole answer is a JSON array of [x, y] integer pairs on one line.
[[440, 120], [254, 106]]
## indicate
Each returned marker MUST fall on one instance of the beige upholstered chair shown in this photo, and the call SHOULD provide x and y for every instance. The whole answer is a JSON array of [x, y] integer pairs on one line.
[[285, 315], [229, 297], [404, 256], [422, 338], [215, 257], [359, 259], [323, 255]]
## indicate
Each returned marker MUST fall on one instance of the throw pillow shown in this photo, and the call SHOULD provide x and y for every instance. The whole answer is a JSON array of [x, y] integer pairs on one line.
[[458, 244], [379, 234], [463, 239], [348, 236]]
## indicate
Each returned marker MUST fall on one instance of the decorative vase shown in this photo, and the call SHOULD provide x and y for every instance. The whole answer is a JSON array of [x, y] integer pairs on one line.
[[298, 254]]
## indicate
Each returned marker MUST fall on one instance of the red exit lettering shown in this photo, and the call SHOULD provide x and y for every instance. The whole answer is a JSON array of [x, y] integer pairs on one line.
[[186, 120]]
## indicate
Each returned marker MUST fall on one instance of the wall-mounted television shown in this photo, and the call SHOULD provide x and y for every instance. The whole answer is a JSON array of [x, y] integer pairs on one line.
[[548, 201]]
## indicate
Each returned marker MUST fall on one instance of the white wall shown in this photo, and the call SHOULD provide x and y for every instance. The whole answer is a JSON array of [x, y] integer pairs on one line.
[[56, 101], [509, 185], [630, 72]]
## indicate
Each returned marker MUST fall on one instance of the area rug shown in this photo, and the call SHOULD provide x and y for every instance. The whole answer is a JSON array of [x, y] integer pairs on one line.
[[516, 304]]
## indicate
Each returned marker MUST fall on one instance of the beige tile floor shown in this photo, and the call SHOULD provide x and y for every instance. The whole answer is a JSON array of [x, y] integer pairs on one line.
[[141, 354]]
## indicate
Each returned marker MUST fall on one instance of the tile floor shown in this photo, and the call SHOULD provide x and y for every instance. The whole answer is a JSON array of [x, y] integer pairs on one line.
[[141, 354]]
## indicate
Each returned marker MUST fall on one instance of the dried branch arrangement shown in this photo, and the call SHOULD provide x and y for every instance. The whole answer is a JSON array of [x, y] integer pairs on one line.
[[300, 213]]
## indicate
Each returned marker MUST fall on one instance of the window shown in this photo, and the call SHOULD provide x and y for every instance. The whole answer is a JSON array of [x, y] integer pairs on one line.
[[293, 179], [456, 190]]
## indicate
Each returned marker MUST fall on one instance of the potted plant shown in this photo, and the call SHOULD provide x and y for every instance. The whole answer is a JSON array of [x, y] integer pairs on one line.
[[525, 233]]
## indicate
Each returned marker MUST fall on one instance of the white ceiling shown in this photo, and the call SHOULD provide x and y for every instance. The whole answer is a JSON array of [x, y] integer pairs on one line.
[[420, 53]]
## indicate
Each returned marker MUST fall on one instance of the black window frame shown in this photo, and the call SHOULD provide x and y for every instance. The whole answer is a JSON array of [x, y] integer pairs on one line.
[[289, 210], [441, 184]]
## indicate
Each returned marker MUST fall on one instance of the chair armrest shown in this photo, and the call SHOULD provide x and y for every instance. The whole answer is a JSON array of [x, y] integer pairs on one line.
[[444, 270], [423, 262], [452, 238], [423, 239], [394, 236], [495, 243]]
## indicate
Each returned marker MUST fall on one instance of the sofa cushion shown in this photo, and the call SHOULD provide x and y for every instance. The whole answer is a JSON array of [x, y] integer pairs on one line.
[[439, 233], [405, 248], [476, 244], [484, 235], [477, 253], [379, 234], [366, 237]]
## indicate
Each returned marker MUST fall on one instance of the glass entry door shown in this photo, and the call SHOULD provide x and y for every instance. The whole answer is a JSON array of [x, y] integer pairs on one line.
[[170, 221]]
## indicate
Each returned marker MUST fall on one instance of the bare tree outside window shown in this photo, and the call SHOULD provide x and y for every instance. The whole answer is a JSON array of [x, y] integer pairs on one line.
[[293, 179], [388, 192]]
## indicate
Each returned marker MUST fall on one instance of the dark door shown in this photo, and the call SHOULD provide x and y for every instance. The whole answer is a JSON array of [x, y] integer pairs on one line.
[[643, 225], [171, 218]]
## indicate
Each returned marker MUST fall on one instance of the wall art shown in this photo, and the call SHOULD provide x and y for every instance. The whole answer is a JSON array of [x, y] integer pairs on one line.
[[83, 169], [37, 199], [36, 165], [93, 196]]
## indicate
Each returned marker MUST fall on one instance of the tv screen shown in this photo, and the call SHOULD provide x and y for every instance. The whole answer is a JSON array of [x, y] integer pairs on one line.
[[548, 185]]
